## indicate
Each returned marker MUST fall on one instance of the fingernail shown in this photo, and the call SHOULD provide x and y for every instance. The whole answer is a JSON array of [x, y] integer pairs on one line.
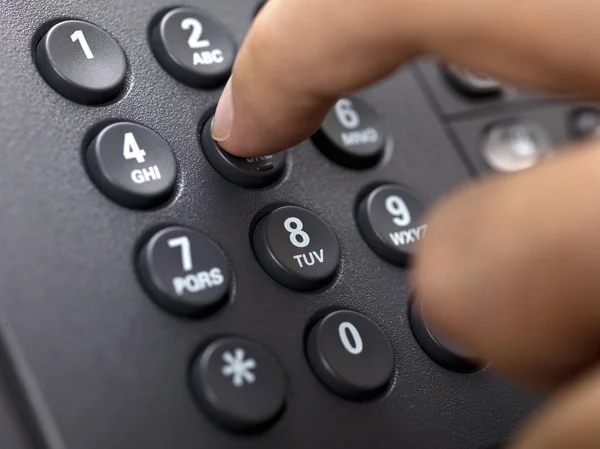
[[223, 121]]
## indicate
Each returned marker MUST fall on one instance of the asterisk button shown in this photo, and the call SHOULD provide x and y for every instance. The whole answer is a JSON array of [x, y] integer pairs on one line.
[[239, 384]]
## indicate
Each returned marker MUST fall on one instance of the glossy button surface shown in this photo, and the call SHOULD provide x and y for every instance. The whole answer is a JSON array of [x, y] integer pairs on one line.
[[82, 62], [297, 248], [239, 384], [389, 219], [255, 172], [351, 355], [194, 47]]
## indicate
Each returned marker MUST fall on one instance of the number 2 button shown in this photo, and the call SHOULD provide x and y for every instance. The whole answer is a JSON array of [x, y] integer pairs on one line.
[[351, 355], [132, 165], [297, 248], [194, 47]]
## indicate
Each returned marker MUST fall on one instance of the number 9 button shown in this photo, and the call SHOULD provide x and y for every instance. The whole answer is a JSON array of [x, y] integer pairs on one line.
[[194, 47], [389, 218], [132, 165], [297, 248], [350, 355], [184, 271]]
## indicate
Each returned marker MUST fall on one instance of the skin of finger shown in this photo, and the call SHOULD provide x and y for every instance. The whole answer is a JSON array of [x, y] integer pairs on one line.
[[569, 420], [298, 58], [300, 55], [510, 268]]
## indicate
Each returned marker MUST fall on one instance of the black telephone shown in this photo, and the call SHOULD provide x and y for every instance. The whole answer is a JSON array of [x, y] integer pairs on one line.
[[160, 293]]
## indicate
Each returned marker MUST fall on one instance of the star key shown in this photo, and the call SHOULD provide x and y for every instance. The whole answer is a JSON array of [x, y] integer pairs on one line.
[[239, 384]]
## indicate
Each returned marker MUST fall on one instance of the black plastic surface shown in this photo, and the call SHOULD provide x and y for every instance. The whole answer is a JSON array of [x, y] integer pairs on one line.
[[101, 367], [351, 355], [82, 62]]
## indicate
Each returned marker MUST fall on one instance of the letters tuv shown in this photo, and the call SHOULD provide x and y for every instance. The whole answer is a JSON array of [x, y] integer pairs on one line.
[[310, 259]]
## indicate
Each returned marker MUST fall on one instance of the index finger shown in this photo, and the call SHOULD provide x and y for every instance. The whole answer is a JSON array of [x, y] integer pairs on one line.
[[301, 55]]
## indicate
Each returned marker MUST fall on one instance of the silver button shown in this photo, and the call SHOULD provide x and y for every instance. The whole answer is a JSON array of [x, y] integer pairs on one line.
[[516, 145]]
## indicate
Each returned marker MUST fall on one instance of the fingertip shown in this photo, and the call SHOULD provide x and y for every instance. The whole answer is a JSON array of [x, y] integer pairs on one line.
[[223, 120]]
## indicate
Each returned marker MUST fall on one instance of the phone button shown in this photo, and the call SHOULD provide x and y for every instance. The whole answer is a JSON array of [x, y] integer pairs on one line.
[[439, 349], [472, 84], [352, 134], [390, 221], [253, 173], [297, 248], [350, 355], [515, 145], [239, 384], [194, 47], [132, 165], [184, 272], [81, 62]]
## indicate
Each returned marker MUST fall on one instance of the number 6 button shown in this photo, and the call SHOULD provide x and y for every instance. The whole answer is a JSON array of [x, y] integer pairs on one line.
[[297, 248], [352, 134], [132, 165], [351, 355], [389, 219], [193, 47], [184, 271]]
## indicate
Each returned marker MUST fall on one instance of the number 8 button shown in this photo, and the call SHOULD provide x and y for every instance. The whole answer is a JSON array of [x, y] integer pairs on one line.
[[132, 165], [351, 355], [297, 248]]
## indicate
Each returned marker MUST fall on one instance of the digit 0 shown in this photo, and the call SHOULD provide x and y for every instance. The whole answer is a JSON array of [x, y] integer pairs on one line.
[[298, 237], [354, 347]]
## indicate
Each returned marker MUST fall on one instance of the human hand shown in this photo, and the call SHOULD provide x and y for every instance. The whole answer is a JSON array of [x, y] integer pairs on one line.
[[525, 291]]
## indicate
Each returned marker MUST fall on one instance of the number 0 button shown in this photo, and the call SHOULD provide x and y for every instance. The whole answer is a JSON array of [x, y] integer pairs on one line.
[[297, 248], [81, 62], [351, 355], [194, 48], [352, 134], [132, 165], [184, 271], [389, 219]]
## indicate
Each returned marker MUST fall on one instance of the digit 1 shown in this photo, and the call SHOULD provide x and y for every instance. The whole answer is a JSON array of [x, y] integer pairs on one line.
[[78, 36]]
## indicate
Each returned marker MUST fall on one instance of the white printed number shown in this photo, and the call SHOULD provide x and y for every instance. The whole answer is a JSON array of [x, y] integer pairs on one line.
[[131, 149], [398, 209], [78, 36], [186, 251], [298, 237], [196, 27], [355, 347], [346, 114]]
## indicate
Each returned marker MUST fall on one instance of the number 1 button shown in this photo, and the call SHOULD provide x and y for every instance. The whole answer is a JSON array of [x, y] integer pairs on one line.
[[184, 272], [351, 355], [297, 248], [132, 165], [194, 47], [81, 62]]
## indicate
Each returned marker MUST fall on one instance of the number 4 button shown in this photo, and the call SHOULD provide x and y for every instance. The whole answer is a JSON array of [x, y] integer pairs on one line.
[[351, 355], [132, 165]]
